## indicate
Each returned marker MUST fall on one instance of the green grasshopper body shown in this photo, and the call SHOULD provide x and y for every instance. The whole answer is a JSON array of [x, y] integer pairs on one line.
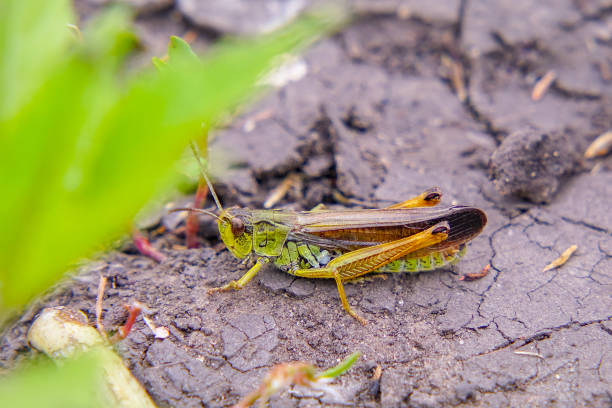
[[344, 245]]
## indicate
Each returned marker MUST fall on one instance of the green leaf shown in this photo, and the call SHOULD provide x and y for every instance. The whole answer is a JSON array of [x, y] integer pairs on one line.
[[180, 49], [342, 367], [159, 63], [74, 384], [33, 37], [85, 145]]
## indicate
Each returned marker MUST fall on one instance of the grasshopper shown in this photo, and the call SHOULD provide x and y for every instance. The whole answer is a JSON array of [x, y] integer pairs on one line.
[[346, 244]]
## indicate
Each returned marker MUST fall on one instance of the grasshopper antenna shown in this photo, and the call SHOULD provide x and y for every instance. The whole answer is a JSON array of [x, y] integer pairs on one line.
[[196, 153], [199, 210]]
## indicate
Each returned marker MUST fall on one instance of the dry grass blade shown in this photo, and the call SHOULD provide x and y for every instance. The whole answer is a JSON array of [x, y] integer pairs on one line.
[[457, 80], [456, 76], [542, 85], [99, 297], [600, 146], [473, 276], [562, 259], [251, 122], [281, 190], [528, 353]]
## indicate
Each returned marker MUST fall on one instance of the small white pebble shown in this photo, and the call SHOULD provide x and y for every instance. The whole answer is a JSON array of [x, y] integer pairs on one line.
[[161, 333]]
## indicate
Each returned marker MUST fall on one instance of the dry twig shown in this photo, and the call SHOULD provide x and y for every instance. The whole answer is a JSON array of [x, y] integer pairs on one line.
[[281, 190], [542, 85], [562, 259], [99, 297], [600, 146], [473, 276]]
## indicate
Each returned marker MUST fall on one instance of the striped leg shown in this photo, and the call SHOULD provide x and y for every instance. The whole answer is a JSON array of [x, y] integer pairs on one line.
[[365, 260]]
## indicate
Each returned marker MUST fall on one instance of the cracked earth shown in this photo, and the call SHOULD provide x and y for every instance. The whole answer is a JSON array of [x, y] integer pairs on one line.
[[377, 118]]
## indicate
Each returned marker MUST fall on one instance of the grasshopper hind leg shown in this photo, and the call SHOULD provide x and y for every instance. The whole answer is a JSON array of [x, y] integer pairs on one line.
[[365, 260], [344, 301], [427, 198]]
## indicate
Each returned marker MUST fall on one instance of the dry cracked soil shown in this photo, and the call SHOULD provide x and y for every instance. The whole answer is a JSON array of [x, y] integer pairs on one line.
[[379, 116]]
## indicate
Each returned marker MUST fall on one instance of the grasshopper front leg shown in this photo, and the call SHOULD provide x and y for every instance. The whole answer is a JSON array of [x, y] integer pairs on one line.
[[239, 284], [365, 260]]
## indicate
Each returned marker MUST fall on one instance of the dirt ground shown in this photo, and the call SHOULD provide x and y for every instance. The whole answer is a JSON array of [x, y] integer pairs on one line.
[[379, 117]]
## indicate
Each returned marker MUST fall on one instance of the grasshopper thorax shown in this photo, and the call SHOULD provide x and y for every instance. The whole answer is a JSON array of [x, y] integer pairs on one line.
[[235, 233]]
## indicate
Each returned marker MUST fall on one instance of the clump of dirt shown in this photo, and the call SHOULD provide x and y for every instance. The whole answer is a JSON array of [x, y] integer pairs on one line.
[[531, 164]]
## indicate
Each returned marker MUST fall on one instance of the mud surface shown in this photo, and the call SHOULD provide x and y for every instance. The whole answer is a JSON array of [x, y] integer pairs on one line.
[[377, 118]]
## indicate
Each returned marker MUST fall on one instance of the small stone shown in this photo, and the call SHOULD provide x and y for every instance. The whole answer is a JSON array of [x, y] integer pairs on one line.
[[141, 6], [318, 165], [301, 288], [115, 269], [378, 297], [188, 323], [250, 324], [241, 16], [148, 6], [275, 281], [464, 390], [233, 341], [422, 400]]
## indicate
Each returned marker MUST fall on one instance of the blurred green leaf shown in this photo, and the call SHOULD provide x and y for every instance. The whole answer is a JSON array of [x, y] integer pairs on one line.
[[84, 144], [74, 384], [180, 50], [33, 38], [341, 368]]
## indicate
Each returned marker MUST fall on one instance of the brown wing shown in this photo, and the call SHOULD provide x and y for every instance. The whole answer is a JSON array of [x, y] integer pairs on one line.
[[351, 229]]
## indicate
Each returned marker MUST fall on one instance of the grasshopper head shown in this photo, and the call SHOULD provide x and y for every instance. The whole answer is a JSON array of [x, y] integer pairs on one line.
[[233, 232]]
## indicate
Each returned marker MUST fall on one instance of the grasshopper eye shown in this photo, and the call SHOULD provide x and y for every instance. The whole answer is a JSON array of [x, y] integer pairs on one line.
[[237, 227]]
